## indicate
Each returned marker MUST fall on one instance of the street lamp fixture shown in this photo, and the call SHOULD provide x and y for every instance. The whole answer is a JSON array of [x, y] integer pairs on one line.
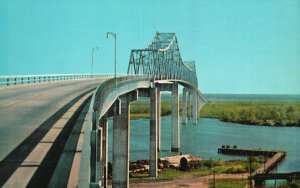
[[115, 37], [96, 47]]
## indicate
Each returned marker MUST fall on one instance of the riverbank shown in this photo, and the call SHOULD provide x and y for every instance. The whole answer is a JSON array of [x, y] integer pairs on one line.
[[222, 180], [140, 109], [199, 169], [262, 113], [232, 173], [199, 173]]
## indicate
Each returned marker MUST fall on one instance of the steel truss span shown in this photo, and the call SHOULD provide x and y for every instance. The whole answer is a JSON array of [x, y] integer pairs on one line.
[[162, 60]]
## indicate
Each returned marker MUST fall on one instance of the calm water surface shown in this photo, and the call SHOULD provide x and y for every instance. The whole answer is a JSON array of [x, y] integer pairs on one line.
[[204, 139]]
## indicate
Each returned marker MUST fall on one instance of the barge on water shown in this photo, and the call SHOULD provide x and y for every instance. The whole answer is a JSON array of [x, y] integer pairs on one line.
[[247, 152]]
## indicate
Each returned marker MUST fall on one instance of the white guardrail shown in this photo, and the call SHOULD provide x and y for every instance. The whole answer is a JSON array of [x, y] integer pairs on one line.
[[12, 80]]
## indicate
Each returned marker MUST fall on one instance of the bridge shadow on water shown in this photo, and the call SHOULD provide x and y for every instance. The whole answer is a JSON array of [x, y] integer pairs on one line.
[[16, 157]]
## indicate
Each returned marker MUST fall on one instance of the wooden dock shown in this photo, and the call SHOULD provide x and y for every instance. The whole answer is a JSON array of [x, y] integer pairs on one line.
[[271, 163], [275, 157], [247, 152], [262, 173]]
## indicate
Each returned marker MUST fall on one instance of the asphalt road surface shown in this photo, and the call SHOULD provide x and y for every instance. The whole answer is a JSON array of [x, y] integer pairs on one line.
[[24, 109]]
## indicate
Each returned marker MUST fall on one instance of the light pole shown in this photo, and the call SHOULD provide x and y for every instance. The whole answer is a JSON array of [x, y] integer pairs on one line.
[[96, 47], [115, 37]]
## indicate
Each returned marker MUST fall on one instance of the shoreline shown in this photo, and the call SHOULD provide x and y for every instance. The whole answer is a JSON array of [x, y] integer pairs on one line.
[[146, 116], [263, 124], [189, 180], [259, 113], [254, 124], [273, 114]]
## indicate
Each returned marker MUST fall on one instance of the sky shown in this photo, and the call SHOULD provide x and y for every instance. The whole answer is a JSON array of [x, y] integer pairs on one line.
[[240, 46]]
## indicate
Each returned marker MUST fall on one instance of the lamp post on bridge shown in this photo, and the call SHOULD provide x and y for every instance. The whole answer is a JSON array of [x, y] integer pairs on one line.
[[115, 37], [96, 47]]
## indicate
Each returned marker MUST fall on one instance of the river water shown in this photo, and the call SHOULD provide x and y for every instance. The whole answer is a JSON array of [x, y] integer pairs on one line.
[[208, 135], [204, 138]]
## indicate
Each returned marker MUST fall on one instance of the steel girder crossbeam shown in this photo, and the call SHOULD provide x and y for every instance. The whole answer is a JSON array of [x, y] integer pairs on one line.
[[162, 60]]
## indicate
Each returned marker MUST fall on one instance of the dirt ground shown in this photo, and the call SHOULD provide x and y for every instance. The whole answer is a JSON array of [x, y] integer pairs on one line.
[[188, 181]]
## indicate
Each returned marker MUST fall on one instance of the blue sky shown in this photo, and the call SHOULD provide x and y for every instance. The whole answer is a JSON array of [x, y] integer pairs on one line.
[[239, 46]]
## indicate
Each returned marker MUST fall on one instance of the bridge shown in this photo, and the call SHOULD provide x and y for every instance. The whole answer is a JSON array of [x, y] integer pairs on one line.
[[54, 130]]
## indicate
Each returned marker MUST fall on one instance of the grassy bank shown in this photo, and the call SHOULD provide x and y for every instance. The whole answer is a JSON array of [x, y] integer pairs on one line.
[[258, 113], [245, 112], [206, 167], [225, 183], [140, 109]]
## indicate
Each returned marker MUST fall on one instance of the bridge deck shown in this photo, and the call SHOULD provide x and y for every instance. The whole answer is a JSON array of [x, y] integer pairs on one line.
[[33, 120], [24, 109]]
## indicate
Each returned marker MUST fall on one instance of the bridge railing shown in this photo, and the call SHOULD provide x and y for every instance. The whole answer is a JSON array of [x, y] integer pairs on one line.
[[112, 89], [29, 79]]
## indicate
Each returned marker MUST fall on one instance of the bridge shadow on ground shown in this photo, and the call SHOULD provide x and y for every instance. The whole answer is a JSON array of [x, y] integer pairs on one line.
[[15, 158]]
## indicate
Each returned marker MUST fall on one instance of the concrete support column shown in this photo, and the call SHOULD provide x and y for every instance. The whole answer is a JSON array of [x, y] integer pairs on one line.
[[158, 118], [99, 155], [121, 133], [104, 159], [189, 108], [153, 133], [184, 104], [195, 107], [95, 159], [175, 128]]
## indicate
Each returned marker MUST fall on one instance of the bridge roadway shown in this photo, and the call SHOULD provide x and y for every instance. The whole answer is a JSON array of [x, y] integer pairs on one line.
[[23, 109]]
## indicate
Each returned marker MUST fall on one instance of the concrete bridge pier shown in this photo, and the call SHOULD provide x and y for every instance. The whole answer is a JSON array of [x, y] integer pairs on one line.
[[121, 140], [189, 107], [99, 155], [175, 128], [184, 106], [153, 133], [121, 127], [104, 153], [95, 155], [158, 118], [195, 107]]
